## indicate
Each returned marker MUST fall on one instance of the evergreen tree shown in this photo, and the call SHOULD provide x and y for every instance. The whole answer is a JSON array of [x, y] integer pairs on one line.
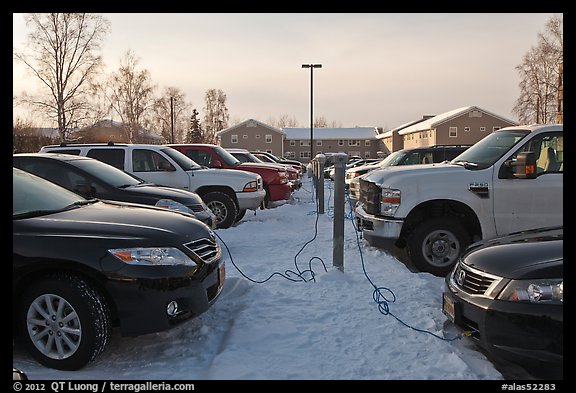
[[195, 131]]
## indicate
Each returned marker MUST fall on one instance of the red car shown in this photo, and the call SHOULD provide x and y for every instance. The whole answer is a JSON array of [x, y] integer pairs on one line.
[[276, 180], [244, 155]]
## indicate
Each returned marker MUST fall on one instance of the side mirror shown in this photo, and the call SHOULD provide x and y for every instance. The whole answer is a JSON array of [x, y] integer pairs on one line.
[[525, 165]]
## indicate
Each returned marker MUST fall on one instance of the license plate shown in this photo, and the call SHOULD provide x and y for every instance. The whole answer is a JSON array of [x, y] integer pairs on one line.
[[221, 274], [448, 307]]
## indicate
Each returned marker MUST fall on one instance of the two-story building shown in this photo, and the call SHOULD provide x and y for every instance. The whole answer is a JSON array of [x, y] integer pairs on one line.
[[462, 126], [294, 143]]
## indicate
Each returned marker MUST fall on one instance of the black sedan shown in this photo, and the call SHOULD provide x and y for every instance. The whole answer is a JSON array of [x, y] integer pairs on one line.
[[92, 178], [508, 293], [82, 267]]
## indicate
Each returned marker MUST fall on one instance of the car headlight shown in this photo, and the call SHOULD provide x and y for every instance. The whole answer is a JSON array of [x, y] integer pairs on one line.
[[389, 201], [152, 256], [534, 291], [173, 205], [250, 187]]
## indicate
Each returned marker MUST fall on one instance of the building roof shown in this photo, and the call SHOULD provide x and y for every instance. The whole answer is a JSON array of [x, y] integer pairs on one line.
[[248, 123], [400, 127], [332, 133], [435, 121]]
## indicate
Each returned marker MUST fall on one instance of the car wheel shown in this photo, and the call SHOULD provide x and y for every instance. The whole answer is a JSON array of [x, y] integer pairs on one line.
[[240, 215], [435, 245], [64, 321], [223, 208]]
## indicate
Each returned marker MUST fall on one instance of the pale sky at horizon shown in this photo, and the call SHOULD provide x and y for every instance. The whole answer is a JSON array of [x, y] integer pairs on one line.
[[378, 69]]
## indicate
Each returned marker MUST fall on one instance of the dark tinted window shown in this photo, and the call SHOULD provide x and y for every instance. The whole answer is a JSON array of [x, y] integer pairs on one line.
[[200, 156], [114, 157]]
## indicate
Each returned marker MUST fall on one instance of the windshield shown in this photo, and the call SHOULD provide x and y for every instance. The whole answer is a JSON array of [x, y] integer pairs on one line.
[[181, 159], [226, 156], [31, 193], [393, 159], [489, 149], [108, 174]]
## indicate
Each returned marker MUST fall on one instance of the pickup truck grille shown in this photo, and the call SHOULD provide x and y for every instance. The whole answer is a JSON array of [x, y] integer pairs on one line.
[[370, 197]]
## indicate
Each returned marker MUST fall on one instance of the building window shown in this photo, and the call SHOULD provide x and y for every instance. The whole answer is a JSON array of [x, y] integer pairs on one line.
[[366, 154], [290, 154], [269, 151], [244, 136], [268, 138], [367, 142], [495, 128], [482, 129], [234, 138], [466, 129], [340, 142], [257, 136], [304, 154], [453, 132], [354, 153], [292, 143], [318, 143], [305, 143], [354, 142]]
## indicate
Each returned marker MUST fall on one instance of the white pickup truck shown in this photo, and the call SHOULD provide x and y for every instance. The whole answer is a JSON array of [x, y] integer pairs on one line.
[[509, 181], [228, 193]]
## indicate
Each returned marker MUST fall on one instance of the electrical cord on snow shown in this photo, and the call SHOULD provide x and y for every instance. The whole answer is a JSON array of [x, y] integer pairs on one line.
[[383, 302], [295, 276]]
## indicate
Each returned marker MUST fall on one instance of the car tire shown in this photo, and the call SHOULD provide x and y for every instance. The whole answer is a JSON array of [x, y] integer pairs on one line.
[[435, 245], [240, 215], [65, 322], [223, 208]]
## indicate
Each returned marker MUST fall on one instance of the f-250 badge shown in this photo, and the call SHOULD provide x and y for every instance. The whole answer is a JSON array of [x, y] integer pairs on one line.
[[480, 189]]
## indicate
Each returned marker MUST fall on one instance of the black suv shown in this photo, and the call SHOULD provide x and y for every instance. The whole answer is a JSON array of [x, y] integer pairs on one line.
[[508, 294]]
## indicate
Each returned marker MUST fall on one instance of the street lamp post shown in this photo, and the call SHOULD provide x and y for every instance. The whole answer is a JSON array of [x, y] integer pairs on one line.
[[311, 66]]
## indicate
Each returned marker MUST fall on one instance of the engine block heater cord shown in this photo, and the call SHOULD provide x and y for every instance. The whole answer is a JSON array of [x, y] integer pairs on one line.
[[383, 302]]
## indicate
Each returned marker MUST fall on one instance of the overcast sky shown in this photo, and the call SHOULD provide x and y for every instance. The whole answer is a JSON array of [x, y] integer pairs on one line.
[[378, 69]]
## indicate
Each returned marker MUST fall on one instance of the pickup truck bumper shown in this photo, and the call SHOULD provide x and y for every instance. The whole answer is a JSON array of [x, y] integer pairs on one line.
[[378, 231], [279, 192], [250, 200]]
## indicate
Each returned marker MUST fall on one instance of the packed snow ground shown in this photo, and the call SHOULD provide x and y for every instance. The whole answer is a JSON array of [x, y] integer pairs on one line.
[[286, 313]]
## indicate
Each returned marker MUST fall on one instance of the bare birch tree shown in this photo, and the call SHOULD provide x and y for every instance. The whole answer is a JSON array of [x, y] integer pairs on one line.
[[61, 52], [130, 94], [169, 116], [216, 115], [539, 73]]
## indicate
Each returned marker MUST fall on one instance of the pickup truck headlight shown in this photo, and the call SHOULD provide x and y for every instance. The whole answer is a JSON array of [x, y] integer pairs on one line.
[[250, 187], [389, 201], [283, 177], [152, 256], [534, 291]]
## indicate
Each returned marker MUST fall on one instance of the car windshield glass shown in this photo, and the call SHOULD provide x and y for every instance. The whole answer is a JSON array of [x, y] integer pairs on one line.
[[108, 174], [226, 156], [253, 158], [393, 159], [31, 194], [181, 159], [489, 149]]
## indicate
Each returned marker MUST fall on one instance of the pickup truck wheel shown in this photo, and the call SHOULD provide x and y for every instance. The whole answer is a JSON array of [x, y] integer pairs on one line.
[[435, 245], [223, 208], [240, 215], [64, 321]]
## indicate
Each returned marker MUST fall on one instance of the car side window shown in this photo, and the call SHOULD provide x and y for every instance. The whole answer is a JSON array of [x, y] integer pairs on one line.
[[549, 151], [144, 160], [201, 157], [114, 157]]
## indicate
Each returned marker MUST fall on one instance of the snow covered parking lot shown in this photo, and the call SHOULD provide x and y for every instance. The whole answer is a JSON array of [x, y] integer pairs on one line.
[[282, 316]]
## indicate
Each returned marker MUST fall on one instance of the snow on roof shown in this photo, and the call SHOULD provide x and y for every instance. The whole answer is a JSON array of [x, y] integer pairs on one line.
[[443, 117], [332, 133]]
